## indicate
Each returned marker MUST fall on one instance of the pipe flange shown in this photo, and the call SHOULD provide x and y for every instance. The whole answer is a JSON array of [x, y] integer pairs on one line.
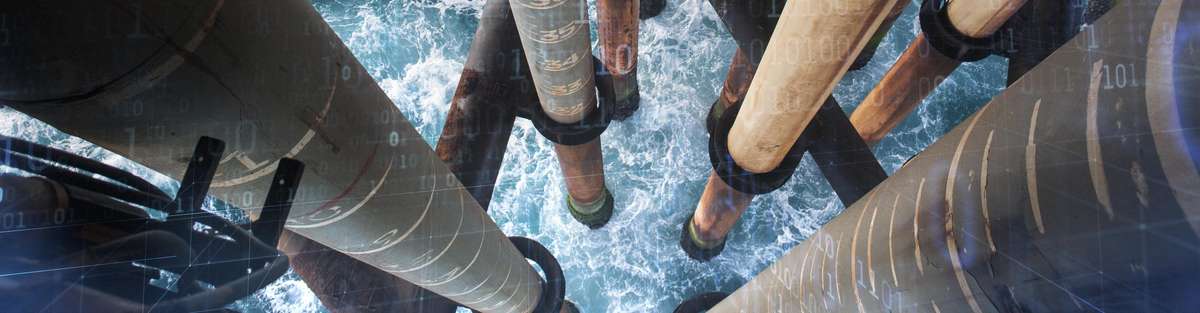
[[588, 128], [946, 39], [695, 249], [737, 177], [596, 219], [554, 287]]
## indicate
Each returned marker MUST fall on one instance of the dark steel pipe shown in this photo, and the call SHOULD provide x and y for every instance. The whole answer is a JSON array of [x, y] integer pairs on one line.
[[494, 84]]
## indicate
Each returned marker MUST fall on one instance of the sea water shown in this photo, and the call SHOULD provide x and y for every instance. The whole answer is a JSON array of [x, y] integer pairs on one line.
[[656, 161]]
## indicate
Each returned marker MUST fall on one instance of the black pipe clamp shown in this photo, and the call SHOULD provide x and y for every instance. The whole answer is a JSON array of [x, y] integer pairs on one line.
[[737, 177], [946, 39], [554, 287], [587, 129]]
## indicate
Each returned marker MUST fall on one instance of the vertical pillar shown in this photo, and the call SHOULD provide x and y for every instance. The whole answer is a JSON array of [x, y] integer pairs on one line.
[[811, 48], [618, 31], [479, 123], [721, 205], [921, 68], [1031, 204], [558, 48], [719, 209], [372, 190], [737, 81]]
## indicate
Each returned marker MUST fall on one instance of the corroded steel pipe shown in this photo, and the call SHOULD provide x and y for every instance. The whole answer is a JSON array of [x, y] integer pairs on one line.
[[737, 81], [916, 73], [618, 30], [588, 199], [920, 68], [1049, 199], [490, 91], [164, 75], [721, 206], [719, 209]]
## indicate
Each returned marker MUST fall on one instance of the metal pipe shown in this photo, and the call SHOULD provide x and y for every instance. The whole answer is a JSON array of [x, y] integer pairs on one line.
[[494, 84], [847, 166], [618, 30], [720, 207], [372, 189], [588, 199], [472, 144], [1046, 200], [737, 81], [811, 48], [916, 73], [558, 48], [920, 68]]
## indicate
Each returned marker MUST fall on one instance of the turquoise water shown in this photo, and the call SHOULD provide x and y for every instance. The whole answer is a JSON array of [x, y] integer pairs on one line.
[[656, 161]]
